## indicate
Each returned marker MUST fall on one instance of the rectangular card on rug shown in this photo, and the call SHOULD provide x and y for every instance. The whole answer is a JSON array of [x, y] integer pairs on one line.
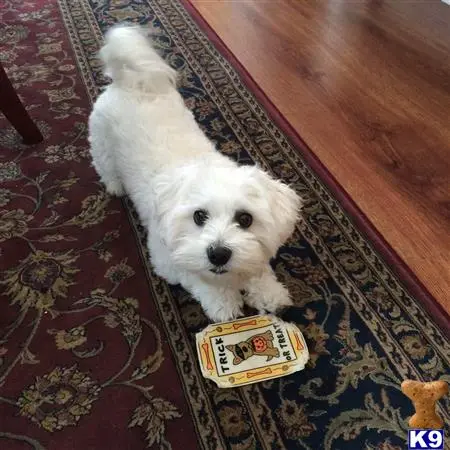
[[250, 350]]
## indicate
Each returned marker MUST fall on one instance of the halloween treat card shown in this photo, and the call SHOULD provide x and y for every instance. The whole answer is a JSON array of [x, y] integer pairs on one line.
[[249, 350]]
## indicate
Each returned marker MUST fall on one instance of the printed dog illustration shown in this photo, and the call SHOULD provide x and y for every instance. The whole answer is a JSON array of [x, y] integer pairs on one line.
[[258, 345]]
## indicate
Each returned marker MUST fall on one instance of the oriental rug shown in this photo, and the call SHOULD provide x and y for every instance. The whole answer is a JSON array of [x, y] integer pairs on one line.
[[97, 352]]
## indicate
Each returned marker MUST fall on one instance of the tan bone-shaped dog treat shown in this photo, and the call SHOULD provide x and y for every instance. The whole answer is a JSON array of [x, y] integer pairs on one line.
[[424, 397]]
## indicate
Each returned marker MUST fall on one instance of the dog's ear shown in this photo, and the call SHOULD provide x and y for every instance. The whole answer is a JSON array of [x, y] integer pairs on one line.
[[167, 189], [285, 204], [169, 192]]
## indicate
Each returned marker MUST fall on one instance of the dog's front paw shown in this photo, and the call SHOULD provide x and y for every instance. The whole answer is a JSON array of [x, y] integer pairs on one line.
[[268, 297], [220, 304], [114, 188], [224, 312]]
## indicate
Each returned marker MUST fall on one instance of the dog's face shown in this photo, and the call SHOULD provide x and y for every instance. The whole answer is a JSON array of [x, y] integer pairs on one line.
[[224, 220]]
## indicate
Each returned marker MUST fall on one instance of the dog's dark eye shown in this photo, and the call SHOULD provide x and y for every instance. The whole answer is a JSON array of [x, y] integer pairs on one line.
[[244, 219], [200, 217]]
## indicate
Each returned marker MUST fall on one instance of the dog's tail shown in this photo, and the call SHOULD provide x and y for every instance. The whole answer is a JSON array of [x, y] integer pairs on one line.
[[132, 62]]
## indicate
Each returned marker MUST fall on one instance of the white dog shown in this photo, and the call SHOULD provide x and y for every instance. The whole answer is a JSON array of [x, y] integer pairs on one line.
[[212, 226]]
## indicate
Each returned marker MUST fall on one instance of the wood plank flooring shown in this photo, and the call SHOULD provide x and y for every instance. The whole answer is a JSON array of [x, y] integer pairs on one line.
[[367, 86]]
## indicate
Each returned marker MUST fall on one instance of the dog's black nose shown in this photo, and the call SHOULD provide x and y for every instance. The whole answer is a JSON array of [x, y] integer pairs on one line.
[[219, 256]]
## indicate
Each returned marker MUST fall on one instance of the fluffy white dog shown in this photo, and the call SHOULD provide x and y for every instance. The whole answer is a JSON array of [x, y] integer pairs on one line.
[[212, 226]]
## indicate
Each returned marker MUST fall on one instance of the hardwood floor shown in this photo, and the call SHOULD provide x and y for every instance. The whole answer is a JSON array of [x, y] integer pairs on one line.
[[367, 86]]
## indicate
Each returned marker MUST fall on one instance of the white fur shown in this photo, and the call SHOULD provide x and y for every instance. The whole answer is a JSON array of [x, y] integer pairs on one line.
[[146, 143]]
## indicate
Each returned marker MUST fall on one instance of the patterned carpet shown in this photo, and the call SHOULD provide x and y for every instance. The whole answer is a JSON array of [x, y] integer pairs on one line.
[[96, 352]]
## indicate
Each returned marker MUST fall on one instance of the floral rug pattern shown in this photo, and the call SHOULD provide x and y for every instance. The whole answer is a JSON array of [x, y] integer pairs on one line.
[[98, 352]]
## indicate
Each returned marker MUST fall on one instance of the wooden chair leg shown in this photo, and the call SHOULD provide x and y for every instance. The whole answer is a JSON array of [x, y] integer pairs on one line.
[[14, 111]]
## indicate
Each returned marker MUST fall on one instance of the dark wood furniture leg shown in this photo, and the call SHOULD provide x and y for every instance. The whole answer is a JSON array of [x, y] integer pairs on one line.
[[14, 111]]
